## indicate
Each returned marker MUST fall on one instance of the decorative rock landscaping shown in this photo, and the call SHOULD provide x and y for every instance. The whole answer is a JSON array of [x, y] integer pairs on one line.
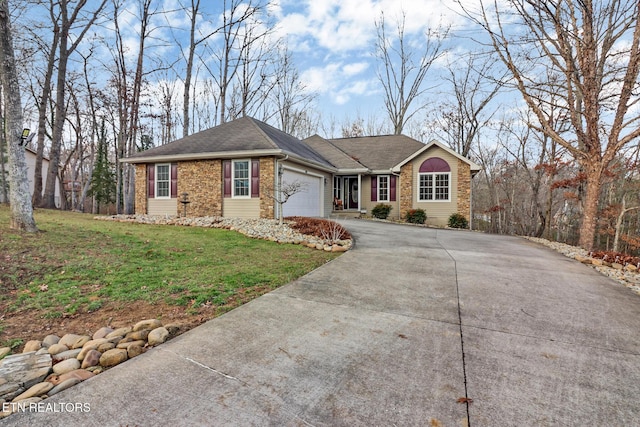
[[56, 363], [266, 229], [627, 274]]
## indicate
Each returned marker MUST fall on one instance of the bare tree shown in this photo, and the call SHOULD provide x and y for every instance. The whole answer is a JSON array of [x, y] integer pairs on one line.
[[623, 211], [4, 171], [196, 38], [283, 192], [402, 70], [255, 76], [43, 102], [129, 94], [595, 47], [289, 96], [237, 18], [67, 45], [21, 209], [474, 83]]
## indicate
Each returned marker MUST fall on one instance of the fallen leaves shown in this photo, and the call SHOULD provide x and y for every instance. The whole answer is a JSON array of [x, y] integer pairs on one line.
[[466, 400]]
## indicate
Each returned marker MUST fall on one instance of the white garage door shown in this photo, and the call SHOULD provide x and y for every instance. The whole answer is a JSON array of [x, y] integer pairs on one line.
[[307, 201]]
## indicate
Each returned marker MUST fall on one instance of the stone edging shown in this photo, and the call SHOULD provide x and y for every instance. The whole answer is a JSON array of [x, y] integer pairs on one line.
[[628, 275], [265, 229], [47, 367]]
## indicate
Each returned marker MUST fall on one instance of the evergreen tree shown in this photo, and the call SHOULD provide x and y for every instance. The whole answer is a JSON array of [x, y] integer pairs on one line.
[[103, 181]]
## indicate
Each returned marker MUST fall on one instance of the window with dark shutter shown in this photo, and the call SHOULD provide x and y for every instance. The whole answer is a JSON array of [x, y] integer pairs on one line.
[[392, 188], [226, 166], [374, 188], [151, 181], [255, 178], [174, 180]]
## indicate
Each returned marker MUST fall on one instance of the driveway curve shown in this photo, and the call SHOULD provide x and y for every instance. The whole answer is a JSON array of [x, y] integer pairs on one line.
[[414, 326]]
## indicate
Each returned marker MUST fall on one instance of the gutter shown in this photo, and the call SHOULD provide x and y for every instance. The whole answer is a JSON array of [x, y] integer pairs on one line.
[[202, 156]]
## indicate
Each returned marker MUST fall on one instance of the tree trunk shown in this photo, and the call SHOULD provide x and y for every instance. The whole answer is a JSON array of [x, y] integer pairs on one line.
[[42, 118], [49, 196], [21, 209], [4, 187], [590, 211]]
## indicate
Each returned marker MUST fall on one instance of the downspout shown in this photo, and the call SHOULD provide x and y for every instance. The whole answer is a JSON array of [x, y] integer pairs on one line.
[[471, 203]]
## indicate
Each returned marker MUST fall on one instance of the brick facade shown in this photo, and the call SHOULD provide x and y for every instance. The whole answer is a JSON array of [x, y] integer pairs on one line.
[[202, 180], [406, 189], [141, 189], [267, 180], [464, 189]]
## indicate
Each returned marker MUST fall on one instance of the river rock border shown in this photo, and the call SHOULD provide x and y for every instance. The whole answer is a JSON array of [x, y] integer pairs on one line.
[[265, 229], [628, 275], [47, 367]]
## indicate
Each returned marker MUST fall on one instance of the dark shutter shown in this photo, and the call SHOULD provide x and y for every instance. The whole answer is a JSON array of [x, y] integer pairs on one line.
[[392, 188], [374, 188], [151, 181], [174, 180], [255, 178], [226, 166]]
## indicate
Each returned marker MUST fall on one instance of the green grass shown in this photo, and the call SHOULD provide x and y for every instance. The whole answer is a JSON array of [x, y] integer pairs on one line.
[[77, 264]]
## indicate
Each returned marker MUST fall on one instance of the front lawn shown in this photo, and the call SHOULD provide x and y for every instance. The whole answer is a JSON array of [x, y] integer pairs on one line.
[[82, 272]]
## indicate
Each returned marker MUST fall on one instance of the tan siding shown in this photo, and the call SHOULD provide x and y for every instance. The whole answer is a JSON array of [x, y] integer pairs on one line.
[[328, 196], [369, 205], [365, 194], [163, 206], [437, 212], [241, 208]]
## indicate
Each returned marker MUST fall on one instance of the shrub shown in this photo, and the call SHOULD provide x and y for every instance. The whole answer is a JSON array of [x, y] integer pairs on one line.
[[457, 220], [325, 229], [381, 211], [416, 216]]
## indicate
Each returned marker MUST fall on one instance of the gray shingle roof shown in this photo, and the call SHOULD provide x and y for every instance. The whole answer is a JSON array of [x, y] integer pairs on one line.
[[248, 136], [244, 134], [379, 152], [333, 154]]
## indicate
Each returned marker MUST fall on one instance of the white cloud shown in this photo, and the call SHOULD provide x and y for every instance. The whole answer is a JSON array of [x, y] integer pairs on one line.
[[355, 68]]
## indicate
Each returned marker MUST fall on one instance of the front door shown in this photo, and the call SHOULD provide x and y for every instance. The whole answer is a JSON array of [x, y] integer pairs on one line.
[[351, 192]]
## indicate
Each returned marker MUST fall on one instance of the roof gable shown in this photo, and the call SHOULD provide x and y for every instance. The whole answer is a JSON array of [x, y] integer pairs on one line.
[[474, 167]]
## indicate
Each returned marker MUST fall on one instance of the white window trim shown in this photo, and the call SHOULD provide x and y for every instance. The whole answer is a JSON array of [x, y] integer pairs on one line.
[[233, 178], [448, 200], [156, 196], [388, 188]]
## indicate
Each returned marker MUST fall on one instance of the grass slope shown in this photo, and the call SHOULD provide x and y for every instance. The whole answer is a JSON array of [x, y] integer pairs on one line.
[[76, 265]]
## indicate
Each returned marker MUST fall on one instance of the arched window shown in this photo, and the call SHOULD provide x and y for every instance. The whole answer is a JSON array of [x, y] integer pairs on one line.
[[434, 164], [434, 180]]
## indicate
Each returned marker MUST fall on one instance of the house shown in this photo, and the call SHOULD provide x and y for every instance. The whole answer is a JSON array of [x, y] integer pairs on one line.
[[30, 158], [235, 169]]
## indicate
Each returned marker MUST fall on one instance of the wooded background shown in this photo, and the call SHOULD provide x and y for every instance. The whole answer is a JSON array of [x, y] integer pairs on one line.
[[546, 101]]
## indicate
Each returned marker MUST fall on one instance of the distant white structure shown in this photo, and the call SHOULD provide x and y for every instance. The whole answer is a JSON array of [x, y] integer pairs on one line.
[[30, 156]]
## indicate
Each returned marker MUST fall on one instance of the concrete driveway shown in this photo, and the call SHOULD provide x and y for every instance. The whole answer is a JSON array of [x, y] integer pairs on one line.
[[414, 326]]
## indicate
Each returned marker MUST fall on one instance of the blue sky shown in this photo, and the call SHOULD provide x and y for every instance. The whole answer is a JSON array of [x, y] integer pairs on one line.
[[333, 42]]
